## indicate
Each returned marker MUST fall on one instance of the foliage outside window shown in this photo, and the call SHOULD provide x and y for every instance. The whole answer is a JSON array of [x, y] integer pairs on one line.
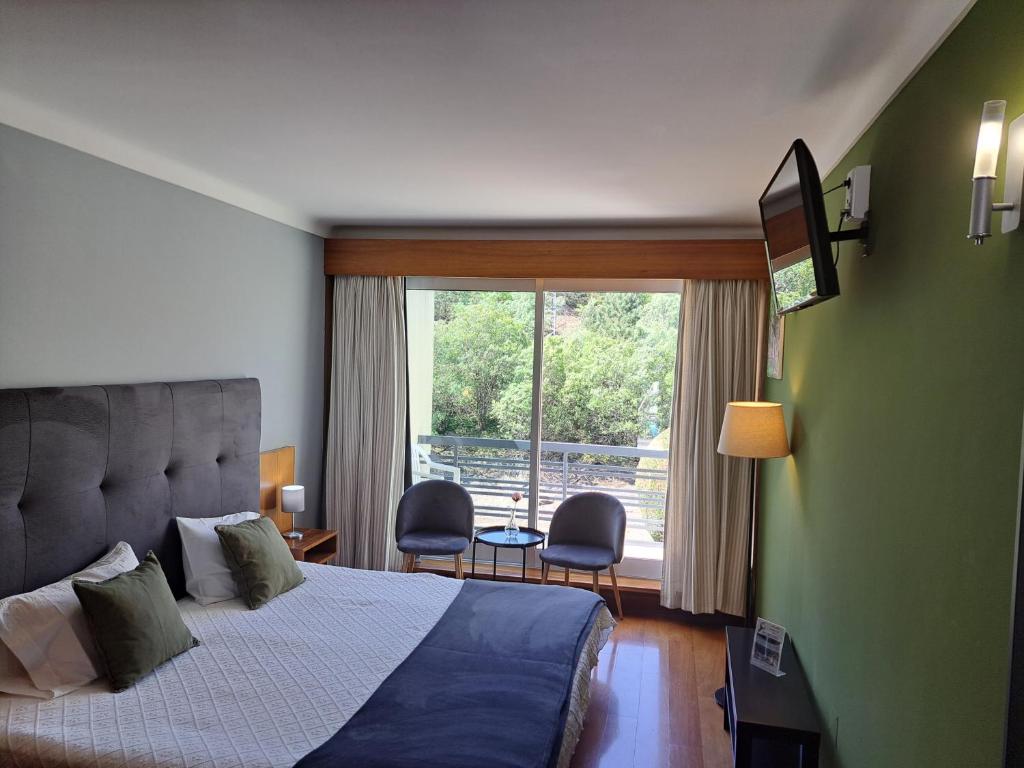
[[609, 362]]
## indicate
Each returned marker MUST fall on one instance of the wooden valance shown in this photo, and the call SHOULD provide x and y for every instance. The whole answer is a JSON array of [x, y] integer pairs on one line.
[[589, 259]]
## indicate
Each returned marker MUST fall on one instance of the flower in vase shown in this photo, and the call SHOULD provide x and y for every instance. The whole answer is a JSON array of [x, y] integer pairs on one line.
[[511, 527]]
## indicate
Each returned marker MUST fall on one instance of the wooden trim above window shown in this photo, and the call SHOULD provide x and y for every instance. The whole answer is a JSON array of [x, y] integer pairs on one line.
[[590, 259]]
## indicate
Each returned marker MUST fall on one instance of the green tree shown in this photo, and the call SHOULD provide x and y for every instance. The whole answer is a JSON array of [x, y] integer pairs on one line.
[[614, 315], [482, 343], [659, 325], [609, 365], [795, 283], [607, 380]]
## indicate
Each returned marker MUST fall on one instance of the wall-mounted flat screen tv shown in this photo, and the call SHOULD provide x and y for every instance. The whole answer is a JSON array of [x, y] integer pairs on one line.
[[796, 233]]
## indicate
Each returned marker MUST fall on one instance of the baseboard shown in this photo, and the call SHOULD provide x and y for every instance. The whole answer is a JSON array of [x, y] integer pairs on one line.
[[640, 597]]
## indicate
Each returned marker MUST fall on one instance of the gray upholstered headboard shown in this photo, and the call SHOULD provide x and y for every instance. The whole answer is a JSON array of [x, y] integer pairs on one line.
[[82, 468]]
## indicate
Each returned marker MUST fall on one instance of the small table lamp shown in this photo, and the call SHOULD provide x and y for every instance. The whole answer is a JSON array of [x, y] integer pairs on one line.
[[293, 499]]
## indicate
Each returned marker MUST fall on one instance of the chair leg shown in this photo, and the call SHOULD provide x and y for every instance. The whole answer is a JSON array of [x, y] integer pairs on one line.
[[567, 577], [615, 589], [409, 562], [458, 566], [597, 588], [544, 573]]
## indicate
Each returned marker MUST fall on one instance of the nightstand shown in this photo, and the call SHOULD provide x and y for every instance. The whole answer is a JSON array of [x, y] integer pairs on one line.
[[315, 546]]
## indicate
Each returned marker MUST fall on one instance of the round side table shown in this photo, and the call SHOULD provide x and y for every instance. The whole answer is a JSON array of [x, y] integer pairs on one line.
[[496, 537]]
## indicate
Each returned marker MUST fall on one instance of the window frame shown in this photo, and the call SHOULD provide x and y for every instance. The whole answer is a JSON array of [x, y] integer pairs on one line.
[[539, 287]]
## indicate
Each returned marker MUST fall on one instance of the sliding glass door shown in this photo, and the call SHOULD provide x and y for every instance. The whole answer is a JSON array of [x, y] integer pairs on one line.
[[470, 375], [546, 390], [609, 365]]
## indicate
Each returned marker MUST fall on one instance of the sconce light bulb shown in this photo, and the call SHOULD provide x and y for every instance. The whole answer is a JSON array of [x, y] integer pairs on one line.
[[990, 136]]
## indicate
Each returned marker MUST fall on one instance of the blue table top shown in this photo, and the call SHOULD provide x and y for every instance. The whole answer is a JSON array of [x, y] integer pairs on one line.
[[496, 537]]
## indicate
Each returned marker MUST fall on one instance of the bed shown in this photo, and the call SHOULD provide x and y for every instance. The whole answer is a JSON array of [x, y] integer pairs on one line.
[[82, 468]]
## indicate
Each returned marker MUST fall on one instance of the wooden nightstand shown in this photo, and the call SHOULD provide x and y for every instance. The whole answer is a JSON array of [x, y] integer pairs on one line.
[[315, 546]]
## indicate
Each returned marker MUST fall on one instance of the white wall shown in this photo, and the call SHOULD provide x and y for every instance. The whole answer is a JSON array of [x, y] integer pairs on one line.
[[419, 314], [108, 276]]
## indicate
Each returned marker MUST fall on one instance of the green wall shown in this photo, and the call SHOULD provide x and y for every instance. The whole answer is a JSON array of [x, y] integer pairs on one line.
[[886, 539]]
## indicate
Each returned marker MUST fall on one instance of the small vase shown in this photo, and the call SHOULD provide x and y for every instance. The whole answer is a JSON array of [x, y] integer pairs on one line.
[[511, 527]]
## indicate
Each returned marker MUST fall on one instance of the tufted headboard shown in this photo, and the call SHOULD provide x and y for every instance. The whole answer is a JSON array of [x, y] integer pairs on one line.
[[82, 468]]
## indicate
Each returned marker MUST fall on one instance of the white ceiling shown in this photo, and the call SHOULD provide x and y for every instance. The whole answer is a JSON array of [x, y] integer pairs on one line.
[[472, 112]]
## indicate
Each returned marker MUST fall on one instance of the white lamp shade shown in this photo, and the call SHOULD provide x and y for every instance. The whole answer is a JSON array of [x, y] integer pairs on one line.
[[754, 431], [293, 499], [990, 136]]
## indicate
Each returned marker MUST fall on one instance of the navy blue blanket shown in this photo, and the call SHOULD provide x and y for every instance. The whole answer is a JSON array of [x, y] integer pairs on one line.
[[489, 685]]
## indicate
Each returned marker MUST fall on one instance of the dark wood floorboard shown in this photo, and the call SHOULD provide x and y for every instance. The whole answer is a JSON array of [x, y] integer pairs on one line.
[[652, 699]]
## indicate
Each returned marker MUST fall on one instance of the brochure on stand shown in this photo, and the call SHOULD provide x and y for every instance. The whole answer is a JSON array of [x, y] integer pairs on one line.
[[766, 652]]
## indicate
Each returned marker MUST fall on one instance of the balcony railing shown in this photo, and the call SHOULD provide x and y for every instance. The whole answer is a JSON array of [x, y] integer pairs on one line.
[[492, 469]]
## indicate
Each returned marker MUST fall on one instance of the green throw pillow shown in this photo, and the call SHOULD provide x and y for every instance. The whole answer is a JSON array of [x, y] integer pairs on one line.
[[134, 621], [259, 559]]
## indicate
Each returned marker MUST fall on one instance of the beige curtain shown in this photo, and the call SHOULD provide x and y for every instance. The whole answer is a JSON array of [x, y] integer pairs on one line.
[[707, 511], [366, 428]]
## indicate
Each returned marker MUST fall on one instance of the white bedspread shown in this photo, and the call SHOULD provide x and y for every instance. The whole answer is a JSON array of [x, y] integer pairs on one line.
[[264, 688]]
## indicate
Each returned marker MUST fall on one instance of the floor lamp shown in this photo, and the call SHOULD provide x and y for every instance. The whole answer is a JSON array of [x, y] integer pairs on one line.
[[752, 430]]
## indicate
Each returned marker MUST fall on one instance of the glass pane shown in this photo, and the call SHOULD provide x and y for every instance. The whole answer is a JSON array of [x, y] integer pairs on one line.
[[609, 368], [470, 395]]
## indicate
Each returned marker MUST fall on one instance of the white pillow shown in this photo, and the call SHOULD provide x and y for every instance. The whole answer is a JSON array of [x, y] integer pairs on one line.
[[207, 576], [14, 679], [46, 629]]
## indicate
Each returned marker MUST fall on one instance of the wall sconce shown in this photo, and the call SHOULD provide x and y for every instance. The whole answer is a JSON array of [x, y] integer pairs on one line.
[[990, 136]]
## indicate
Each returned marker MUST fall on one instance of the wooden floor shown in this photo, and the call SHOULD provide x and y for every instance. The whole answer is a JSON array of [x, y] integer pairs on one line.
[[652, 699]]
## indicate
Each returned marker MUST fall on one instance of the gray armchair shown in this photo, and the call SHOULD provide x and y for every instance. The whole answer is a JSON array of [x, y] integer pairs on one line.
[[435, 517], [588, 532]]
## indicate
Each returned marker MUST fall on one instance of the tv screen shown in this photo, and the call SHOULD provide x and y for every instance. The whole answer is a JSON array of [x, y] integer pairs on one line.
[[796, 234]]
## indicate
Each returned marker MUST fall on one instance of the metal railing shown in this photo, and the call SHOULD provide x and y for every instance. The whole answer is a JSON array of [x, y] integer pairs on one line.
[[491, 468]]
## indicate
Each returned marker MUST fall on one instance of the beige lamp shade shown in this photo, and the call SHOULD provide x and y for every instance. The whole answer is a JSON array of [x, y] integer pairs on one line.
[[753, 431]]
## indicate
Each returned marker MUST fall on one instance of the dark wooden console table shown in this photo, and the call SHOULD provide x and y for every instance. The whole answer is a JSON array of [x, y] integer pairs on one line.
[[771, 720]]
